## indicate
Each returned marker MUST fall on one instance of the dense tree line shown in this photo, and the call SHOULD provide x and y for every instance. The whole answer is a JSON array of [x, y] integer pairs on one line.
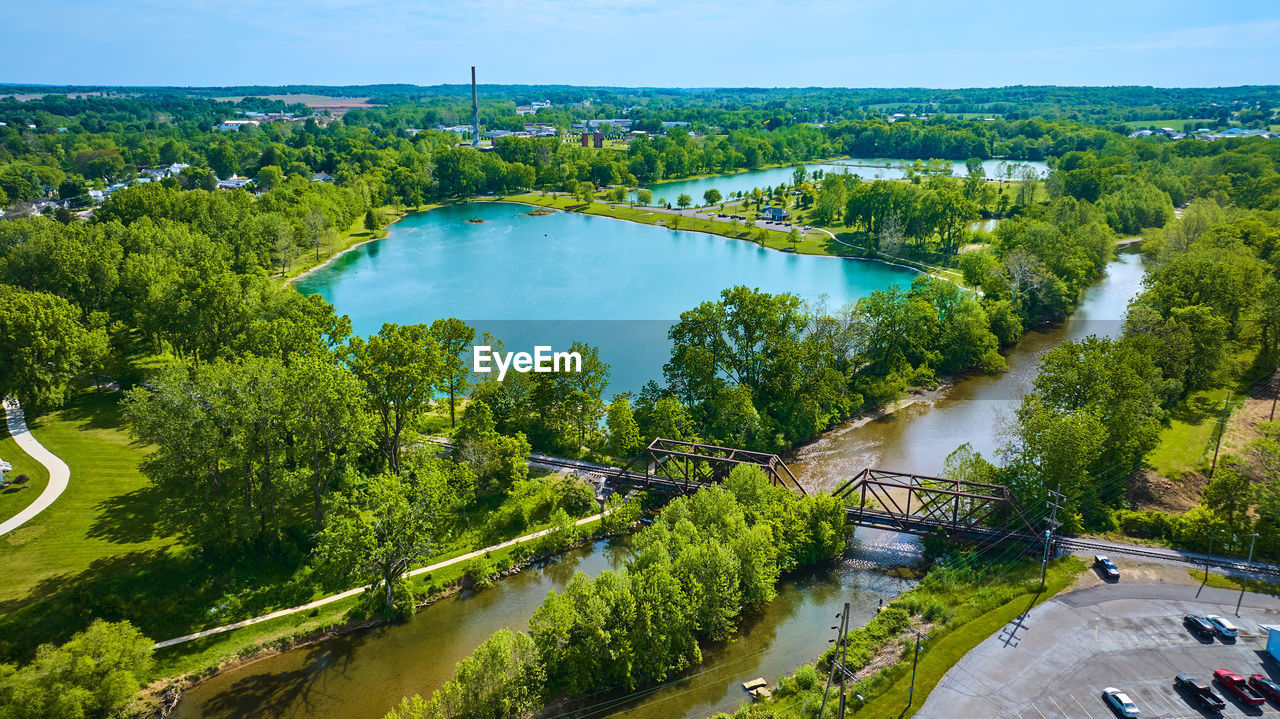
[[1208, 314], [706, 559]]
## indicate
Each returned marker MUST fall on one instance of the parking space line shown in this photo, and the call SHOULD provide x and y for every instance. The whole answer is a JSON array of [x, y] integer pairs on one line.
[[1077, 701], [1144, 703], [1056, 704], [1033, 706]]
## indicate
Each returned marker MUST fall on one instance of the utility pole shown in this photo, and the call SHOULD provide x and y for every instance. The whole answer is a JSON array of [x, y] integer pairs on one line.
[[1053, 505], [915, 658], [837, 660], [1275, 394], [1222, 429], [1245, 583], [1208, 556]]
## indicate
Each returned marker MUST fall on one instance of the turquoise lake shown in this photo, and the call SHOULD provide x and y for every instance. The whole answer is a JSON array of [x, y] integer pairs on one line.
[[566, 277]]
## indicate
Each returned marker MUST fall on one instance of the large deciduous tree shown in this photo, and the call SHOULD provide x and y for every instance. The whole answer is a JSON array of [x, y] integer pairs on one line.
[[401, 367]]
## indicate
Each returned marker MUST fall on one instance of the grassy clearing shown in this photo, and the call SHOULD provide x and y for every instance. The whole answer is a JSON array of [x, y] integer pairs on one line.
[[811, 243], [105, 514], [15, 499], [1187, 442], [965, 611], [1224, 582], [1188, 439]]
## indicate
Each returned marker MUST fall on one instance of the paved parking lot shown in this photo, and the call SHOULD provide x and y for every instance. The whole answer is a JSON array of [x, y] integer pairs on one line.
[[1054, 662]]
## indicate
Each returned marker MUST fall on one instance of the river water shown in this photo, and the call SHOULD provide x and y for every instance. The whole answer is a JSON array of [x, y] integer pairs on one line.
[[867, 169], [363, 675]]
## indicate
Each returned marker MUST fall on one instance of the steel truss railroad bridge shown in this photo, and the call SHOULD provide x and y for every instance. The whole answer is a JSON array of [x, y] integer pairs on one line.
[[894, 501]]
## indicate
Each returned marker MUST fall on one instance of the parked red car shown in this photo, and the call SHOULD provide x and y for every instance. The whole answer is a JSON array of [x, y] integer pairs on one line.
[[1236, 684], [1265, 687]]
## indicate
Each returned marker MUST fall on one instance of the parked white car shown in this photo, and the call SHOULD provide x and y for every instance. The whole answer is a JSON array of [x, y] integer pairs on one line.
[[1120, 701]]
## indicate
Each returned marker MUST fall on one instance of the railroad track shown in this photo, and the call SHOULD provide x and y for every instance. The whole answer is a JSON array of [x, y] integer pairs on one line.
[[1168, 555]]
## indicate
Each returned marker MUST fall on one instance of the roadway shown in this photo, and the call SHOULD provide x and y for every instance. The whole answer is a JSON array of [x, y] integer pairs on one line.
[[1054, 661]]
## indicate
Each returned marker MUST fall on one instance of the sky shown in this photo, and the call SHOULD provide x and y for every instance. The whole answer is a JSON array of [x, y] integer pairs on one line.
[[662, 43]]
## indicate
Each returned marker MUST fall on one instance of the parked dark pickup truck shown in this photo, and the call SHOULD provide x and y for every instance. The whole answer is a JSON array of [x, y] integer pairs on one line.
[[1199, 694]]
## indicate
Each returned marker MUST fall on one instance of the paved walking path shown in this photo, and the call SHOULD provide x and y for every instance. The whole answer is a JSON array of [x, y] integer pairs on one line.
[[353, 592], [59, 473]]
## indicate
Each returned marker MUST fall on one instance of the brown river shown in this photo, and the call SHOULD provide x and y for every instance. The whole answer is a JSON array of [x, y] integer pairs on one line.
[[363, 675]]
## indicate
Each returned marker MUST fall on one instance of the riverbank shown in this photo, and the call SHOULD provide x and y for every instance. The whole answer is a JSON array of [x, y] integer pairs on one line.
[[433, 583], [961, 604]]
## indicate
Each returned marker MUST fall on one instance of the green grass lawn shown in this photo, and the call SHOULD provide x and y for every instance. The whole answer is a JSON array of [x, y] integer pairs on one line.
[[14, 499], [1187, 442], [103, 550], [811, 243]]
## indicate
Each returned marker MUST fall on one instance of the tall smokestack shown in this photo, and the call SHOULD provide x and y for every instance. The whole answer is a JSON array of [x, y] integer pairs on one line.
[[475, 111]]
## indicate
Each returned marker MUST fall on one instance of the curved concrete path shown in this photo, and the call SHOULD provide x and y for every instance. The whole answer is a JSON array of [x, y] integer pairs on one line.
[[59, 473]]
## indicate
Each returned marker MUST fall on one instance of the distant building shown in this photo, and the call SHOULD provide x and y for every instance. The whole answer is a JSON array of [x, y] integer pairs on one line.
[[618, 122], [774, 213], [456, 129], [322, 177], [669, 125], [233, 183], [233, 125]]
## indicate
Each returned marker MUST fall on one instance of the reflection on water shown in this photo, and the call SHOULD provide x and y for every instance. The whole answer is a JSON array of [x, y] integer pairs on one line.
[[792, 630], [975, 409], [365, 674]]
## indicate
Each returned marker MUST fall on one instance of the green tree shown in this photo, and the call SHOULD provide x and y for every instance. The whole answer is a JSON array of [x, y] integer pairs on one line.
[[270, 177], [330, 428], [624, 433], [20, 182], [499, 462], [371, 221], [644, 196], [711, 197], [454, 337], [400, 368], [45, 347], [502, 678], [684, 201], [97, 673], [378, 533]]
